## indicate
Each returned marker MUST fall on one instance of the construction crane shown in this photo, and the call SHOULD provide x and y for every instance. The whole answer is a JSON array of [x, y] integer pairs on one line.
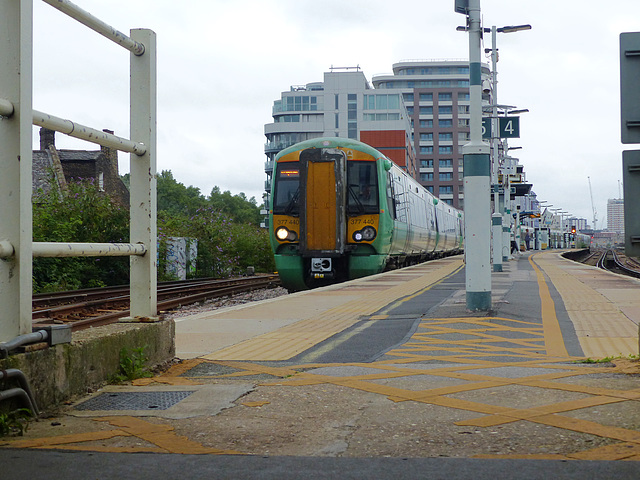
[[593, 207]]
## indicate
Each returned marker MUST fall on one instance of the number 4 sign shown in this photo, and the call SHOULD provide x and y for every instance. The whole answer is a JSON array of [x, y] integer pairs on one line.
[[509, 127]]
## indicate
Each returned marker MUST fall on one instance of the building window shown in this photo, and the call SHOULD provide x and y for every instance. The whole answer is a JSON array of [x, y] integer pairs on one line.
[[426, 110], [426, 177], [302, 104], [426, 123], [337, 120], [447, 176], [445, 189], [446, 110], [445, 150], [463, 96], [426, 150], [382, 102], [426, 163], [430, 188], [444, 123], [428, 137], [445, 163], [445, 96], [337, 102], [408, 97], [352, 115], [287, 118], [426, 97], [463, 109], [445, 137]]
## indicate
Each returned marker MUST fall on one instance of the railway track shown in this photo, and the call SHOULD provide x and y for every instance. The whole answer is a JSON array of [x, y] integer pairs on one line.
[[100, 306], [614, 262]]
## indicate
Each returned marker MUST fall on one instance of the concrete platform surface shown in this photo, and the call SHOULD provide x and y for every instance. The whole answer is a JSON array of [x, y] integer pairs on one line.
[[391, 366]]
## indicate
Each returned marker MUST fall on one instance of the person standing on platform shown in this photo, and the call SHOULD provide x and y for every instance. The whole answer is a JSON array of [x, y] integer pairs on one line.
[[527, 239]]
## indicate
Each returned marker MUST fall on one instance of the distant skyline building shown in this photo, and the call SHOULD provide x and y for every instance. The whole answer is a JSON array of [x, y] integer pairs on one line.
[[615, 216]]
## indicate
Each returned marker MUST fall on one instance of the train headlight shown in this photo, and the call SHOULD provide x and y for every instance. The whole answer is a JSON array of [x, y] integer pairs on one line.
[[367, 234], [285, 235]]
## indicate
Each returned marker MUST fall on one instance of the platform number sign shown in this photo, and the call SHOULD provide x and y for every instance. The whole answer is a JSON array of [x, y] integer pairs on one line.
[[486, 127], [509, 127]]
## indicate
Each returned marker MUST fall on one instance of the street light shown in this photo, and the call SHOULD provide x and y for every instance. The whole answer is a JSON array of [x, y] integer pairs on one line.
[[501, 238], [477, 175], [512, 28]]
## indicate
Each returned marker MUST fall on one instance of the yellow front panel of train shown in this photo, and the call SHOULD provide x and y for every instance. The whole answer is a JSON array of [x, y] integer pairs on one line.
[[321, 206]]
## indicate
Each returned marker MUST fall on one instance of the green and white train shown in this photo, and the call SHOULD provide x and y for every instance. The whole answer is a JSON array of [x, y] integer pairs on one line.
[[340, 210]]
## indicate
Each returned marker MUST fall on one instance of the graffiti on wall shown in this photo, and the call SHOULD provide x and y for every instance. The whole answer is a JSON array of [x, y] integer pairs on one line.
[[181, 256]]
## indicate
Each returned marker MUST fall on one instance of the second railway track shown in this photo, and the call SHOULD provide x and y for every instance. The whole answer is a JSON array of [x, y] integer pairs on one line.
[[99, 306]]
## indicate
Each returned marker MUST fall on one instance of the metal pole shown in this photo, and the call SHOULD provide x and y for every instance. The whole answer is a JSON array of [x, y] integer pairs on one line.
[[496, 218], [15, 161], [59, 249], [507, 218], [144, 296], [97, 25], [87, 133], [477, 179]]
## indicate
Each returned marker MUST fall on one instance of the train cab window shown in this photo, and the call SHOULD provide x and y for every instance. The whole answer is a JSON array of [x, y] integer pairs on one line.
[[286, 189], [362, 185]]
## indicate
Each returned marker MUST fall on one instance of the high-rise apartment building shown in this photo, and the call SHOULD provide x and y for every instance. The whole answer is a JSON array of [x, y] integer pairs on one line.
[[615, 216], [343, 105], [437, 97]]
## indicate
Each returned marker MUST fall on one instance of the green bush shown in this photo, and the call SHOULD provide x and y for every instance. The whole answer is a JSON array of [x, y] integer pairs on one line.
[[81, 213], [225, 226]]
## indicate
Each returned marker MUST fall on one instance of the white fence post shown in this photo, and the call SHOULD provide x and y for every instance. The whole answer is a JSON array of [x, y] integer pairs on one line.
[[15, 166], [143, 176]]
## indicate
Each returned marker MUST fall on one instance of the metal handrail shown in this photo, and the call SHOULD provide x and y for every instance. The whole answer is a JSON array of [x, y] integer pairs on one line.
[[97, 25]]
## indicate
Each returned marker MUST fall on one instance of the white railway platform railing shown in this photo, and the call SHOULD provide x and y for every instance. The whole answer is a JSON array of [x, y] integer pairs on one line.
[[17, 116]]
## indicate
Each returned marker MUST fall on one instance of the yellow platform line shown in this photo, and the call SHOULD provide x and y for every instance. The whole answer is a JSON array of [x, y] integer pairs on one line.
[[294, 339], [554, 343], [601, 327]]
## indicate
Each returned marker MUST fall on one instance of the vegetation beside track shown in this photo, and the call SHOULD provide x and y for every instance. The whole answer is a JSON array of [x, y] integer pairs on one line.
[[225, 225]]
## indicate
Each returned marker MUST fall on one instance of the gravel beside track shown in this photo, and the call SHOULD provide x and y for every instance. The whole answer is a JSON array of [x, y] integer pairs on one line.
[[209, 305]]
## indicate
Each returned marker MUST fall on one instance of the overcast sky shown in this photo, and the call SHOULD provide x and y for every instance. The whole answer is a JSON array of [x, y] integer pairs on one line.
[[222, 63]]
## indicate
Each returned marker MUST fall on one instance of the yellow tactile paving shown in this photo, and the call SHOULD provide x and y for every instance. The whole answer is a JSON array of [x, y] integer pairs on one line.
[[291, 340]]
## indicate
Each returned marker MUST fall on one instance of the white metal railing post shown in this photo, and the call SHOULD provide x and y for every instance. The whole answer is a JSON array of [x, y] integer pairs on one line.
[[143, 176], [16, 74]]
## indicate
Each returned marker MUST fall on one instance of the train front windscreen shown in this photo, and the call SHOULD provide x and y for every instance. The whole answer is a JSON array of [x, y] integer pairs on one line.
[[286, 199]]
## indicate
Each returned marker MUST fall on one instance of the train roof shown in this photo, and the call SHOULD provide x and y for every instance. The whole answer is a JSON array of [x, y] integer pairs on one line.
[[332, 142]]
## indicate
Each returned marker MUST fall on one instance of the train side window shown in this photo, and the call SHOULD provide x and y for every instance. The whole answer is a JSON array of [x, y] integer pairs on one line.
[[286, 189]]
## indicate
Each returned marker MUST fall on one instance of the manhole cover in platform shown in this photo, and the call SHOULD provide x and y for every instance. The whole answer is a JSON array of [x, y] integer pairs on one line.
[[134, 401]]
